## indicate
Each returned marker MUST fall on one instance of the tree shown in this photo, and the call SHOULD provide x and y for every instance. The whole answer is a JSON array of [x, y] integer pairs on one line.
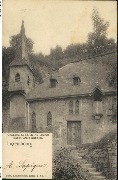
[[15, 42], [112, 76], [99, 35], [8, 55], [56, 53], [37, 58], [70, 51]]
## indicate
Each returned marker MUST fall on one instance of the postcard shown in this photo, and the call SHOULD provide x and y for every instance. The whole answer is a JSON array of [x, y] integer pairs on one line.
[[59, 89]]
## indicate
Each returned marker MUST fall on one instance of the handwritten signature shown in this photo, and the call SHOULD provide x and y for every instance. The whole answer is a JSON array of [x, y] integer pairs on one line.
[[24, 165]]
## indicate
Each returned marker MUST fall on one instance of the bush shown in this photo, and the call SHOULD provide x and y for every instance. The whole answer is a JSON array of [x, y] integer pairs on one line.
[[64, 166], [103, 142]]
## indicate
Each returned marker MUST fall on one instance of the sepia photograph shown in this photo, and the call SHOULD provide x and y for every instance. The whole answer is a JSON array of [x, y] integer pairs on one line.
[[59, 80]]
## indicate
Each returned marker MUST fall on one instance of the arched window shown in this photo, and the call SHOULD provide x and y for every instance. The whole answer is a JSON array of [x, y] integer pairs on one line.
[[77, 107], [97, 95], [49, 119], [33, 121], [98, 106], [70, 107], [17, 77]]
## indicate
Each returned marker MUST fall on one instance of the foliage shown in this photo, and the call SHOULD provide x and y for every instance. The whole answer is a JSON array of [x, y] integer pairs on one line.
[[97, 44], [15, 42], [37, 74], [74, 50], [64, 166], [38, 58], [8, 55], [112, 76], [98, 36], [109, 137], [56, 53]]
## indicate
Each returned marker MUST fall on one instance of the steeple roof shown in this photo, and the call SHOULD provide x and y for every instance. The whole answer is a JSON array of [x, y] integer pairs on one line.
[[21, 57], [24, 53]]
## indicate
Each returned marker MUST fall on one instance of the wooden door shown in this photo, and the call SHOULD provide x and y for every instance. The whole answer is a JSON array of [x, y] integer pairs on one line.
[[73, 132]]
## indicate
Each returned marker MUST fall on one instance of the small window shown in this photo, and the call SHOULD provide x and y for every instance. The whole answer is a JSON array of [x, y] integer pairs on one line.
[[17, 77], [28, 80], [77, 107], [76, 81], [97, 95], [70, 107], [53, 83], [33, 121], [49, 119]]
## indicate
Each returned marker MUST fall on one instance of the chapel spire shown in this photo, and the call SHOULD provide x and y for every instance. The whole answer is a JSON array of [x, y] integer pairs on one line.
[[24, 53], [21, 54]]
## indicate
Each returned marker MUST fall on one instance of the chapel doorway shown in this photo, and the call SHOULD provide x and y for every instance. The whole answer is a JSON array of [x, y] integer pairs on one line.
[[73, 132]]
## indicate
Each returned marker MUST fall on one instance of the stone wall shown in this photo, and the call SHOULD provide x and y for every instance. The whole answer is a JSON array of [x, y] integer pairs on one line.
[[22, 85], [91, 130], [5, 117], [112, 154], [104, 158], [17, 106]]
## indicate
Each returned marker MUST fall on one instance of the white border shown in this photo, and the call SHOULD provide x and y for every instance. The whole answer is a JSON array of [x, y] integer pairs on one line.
[[1, 89]]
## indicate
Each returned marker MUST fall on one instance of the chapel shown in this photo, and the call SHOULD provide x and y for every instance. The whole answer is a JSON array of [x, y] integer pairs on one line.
[[75, 103]]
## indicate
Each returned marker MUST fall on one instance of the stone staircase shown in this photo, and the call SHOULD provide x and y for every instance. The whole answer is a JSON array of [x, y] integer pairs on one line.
[[87, 168]]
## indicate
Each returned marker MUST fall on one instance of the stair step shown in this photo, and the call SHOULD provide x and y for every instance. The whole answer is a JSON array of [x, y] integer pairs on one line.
[[80, 151], [72, 147], [87, 165], [74, 151], [84, 161], [95, 173], [99, 177], [80, 154], [79, 157], [91, 169]]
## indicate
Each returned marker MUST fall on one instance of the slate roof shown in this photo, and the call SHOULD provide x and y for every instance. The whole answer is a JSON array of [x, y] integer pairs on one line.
[[18, 62], [91, 75], [21, 62]]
